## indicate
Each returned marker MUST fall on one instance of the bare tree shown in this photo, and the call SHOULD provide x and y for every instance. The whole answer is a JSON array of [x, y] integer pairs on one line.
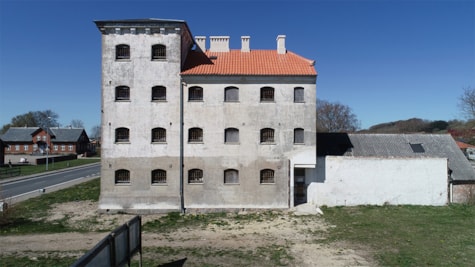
[[467, 102], [335, 117], [96, 132], [77, 123]]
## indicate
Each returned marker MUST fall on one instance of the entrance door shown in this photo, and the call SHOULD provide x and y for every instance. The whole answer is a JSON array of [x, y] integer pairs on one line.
[[300, 187]]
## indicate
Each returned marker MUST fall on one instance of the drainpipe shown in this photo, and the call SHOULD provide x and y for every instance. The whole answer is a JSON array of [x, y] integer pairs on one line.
[[182, 201]]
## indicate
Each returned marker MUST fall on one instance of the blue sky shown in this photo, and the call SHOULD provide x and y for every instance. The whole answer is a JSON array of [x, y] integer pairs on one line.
[[387, 60]]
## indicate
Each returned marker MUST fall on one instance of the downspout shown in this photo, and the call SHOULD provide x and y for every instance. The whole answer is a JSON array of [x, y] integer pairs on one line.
[[182, 200]]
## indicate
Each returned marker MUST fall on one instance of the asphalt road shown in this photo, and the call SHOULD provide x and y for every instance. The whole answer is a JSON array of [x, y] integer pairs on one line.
[[25, 187]]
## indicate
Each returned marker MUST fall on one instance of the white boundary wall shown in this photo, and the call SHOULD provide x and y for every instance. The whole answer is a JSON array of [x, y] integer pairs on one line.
[[350, 181]]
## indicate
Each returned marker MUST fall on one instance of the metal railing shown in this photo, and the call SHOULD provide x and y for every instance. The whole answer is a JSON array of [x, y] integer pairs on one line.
[[6, 172], [117, 248]]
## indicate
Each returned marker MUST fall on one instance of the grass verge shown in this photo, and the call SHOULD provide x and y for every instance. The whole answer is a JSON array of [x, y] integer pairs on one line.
[[33, 169], [409, 235]]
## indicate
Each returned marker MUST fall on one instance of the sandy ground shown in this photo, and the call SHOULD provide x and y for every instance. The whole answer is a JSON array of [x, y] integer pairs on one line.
[[303, 235]]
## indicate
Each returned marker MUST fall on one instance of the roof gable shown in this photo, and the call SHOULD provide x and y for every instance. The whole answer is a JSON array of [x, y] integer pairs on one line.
[[20, 134], [67, 134]]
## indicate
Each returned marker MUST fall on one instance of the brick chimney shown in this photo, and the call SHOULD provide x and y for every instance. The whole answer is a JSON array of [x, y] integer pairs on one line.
[[219, 44], [245, 44], [200, 43], [281, 44]]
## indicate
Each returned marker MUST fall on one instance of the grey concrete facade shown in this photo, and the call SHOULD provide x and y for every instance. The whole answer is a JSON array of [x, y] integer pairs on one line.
[[139, 155]]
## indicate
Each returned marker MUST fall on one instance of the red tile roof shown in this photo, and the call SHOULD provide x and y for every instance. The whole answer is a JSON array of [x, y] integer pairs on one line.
[[255, 62]]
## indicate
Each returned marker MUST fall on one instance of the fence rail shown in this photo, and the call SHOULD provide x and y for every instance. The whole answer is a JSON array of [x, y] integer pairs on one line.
[[117, 248], [6, 172]]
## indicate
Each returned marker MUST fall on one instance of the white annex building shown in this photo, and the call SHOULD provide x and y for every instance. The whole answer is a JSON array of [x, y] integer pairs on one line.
[[191, 126]]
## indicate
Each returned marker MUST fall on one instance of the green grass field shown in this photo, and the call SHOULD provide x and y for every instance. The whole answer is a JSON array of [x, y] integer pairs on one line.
[[395, 235]]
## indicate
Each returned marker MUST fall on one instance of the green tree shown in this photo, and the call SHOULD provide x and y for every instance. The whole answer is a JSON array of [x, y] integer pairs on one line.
[[46, 118]]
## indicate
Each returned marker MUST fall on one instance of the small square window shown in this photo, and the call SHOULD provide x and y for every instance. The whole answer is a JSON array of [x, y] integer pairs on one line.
[[417, 148]]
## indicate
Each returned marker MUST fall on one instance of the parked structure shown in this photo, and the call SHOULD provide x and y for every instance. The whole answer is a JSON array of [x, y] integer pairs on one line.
[[38, 141], [377, 169], [186, 126]]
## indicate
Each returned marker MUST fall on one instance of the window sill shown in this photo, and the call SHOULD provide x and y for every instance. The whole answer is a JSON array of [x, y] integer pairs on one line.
[[122, 142], [159, 143], [268, 143], [197, 100], [200, 183], [299, 144], [122, 60], [267, 101], [159, 101], [267, 183], [159, 59], [159, 184], [231, 184], [195, 142], [123, 100], [232, 143], [122, 184], [302, 102], [231, 101]]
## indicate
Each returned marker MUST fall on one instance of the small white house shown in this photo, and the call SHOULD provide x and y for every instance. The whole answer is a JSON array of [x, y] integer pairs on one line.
[[395, 169]]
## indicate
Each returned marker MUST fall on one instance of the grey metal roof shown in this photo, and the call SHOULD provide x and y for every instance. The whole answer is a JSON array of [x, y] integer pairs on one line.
[[66, 134], [399, 145], [19, 134], [25, 134]]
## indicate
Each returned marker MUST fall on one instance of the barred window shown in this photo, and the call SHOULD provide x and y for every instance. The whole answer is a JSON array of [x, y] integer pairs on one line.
[[122, 135], [195, 176], [159, 135], [122, 51], [299, 95], [298, 136], [159, 93], [159, 52], [122, 93], [267, 94], [159, 176], [231, 176], [195, 93], [267, 176], [231, 94], [267, 135], [122, 176], [231, 135], [195, 135]]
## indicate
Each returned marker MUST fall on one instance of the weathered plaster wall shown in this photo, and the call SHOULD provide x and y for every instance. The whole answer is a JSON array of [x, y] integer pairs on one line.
[[348, 181]]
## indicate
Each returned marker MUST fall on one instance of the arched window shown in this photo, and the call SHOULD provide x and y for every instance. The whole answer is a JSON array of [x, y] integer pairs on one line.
[[159, 93], [231, 94], [231, 176], [121, 135], [231, 135], [159, 52], [299, 96], [267, 135], [195, 93], [267, 94], [122, 51], [122, 93], [195, 135], [159, 176], [299, 136], [267, 176], [159, 135], [122, 176], [195, 176]]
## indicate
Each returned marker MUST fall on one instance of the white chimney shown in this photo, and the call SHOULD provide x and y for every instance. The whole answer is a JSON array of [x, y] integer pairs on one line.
[[201, 43], [219, 44], [281, 44], [245, 44]]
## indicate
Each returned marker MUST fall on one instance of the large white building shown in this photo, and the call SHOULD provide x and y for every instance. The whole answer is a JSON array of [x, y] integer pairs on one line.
[[185, 126]]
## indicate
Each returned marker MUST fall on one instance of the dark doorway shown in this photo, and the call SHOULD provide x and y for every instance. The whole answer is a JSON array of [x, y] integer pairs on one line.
[[300, 187]]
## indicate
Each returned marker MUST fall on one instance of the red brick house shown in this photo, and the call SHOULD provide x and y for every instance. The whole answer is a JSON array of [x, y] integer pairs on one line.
[[36, 140]]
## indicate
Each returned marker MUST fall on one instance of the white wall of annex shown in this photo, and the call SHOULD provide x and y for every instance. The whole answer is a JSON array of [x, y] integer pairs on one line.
[[350, 181]]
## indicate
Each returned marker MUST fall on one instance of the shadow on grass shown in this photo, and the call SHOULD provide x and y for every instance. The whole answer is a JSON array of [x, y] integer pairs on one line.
[[178, 263]]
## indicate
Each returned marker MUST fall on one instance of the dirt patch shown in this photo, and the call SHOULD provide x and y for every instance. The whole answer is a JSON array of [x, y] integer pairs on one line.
[[302, 237]]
